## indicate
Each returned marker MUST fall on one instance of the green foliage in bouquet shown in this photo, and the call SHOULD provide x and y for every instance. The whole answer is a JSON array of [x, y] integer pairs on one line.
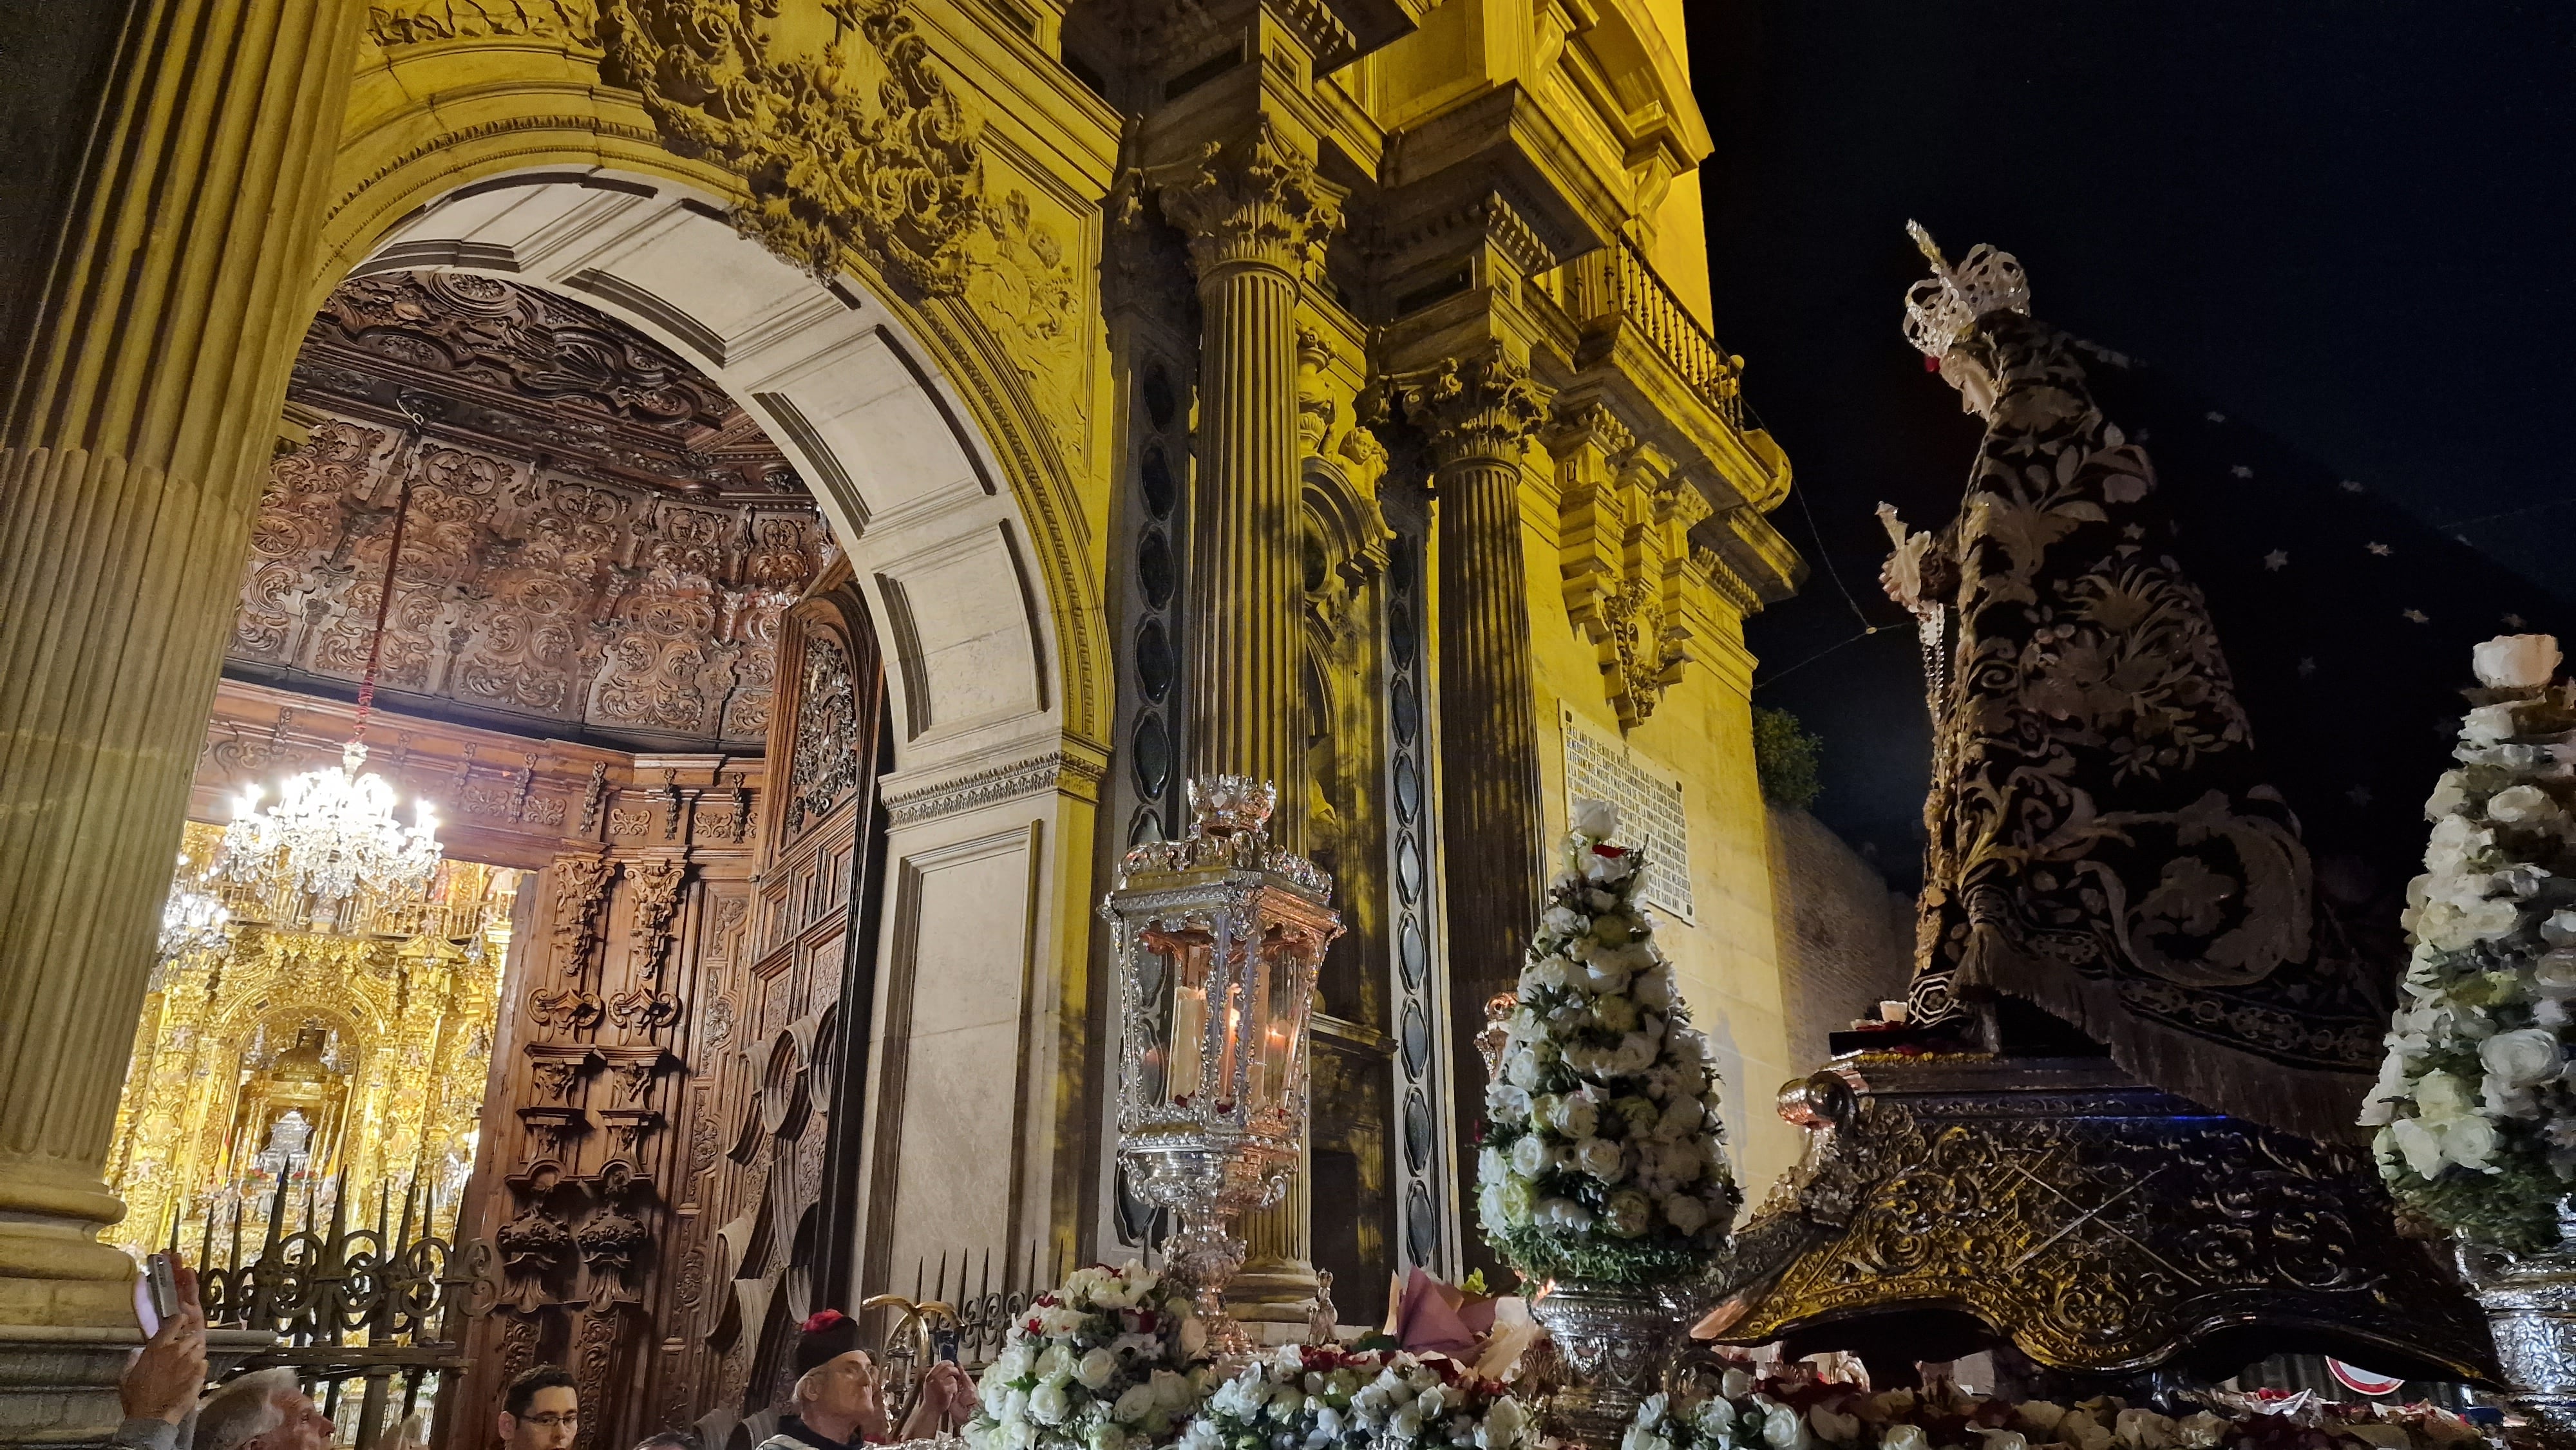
[[1603, 1158], [2475, 1111]]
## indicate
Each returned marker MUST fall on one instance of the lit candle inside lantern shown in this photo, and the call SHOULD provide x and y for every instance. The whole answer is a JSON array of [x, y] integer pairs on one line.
[[1189, 1038]]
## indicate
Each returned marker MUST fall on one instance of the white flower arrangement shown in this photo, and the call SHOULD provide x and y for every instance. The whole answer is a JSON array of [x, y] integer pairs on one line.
[[1112, 1360], [1324, 1397], [2474, 1105], [1798, 1412], [1604, 1156]]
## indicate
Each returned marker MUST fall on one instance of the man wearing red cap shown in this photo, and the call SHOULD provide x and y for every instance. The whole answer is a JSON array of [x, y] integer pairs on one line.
[[840, 1401]]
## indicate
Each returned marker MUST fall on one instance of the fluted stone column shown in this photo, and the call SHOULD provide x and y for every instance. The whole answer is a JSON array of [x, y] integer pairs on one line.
[[1257, 219], [145, 394], [1478, 416]]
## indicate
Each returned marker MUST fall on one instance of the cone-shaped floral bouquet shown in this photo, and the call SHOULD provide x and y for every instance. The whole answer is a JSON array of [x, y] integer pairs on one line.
[[1604, 1157]]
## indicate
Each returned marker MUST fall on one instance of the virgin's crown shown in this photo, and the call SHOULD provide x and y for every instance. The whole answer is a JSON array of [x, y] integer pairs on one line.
[[1944, 307]]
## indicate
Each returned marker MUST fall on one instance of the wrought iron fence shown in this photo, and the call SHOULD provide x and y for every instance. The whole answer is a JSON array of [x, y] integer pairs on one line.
[[383, 1306]]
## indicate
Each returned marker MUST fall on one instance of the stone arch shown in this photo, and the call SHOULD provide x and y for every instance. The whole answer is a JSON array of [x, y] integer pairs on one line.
[[962, 520], [404, 169], [914, 494]]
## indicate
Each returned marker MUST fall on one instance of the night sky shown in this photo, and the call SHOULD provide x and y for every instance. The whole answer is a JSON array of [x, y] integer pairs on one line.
[[2349, 228]]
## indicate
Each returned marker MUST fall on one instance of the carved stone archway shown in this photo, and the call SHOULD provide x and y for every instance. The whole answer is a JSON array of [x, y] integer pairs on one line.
[[985, 809]]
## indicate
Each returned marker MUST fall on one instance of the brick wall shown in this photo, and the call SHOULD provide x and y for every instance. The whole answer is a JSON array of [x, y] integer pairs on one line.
[[1845, 940]]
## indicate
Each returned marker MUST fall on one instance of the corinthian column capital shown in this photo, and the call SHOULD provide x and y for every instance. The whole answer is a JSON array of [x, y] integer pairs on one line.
[[1474, 409], [1256, 202]]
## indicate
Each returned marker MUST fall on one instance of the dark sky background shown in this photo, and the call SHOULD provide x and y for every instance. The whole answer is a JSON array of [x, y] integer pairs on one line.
[[2352, 226]]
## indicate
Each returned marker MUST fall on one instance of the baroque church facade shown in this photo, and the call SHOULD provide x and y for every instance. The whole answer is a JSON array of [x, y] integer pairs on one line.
[[860, 459]]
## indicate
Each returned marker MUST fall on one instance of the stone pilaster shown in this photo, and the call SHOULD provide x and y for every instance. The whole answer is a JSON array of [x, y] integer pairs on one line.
[[146, 387], [1257, 219], [1479, 416]]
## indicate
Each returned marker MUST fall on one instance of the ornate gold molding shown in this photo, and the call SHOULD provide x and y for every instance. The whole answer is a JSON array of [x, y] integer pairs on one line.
[[1256, 202]]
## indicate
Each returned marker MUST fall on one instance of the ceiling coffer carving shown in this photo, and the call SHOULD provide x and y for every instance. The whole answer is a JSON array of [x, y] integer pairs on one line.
[[599, 542]]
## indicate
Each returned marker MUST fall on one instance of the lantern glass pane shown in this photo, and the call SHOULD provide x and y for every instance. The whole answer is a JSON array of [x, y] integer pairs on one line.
[[1279, 1021], [1185, 1021]]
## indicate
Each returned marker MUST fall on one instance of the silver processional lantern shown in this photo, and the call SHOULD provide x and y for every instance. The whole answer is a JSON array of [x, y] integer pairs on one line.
[[1216, 939]]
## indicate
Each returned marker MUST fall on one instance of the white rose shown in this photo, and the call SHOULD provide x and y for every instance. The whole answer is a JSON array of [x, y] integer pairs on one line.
[[1566, 921], [1654, 988], [1601, 1158], [1578, 1118], [1833, 1428], [1503, 1425], [2524, 1058], [2470, 1142], [1048, 1404], [1598, 820], [2520, 803], [1687, 1213], [2554, 975], [1056, 1363], [2440, 1097], [1904, 1437], [1735, 1384], [1785, 1429], [2488, 920], [1172, 1391], [1529, 1156], [1096, 1369], [1133, 1406], [2003, 1439], [1507, 1103], [2488, 724], [1522, 1070], [2515, 661], [2450, 794], [1193, 1337], [1015, 1362]]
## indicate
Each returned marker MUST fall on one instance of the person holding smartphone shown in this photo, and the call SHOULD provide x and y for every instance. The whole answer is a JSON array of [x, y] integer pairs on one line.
[[159, 1389]]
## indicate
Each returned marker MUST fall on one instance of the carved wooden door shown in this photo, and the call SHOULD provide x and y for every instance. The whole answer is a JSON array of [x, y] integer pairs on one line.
[[784, 1193]]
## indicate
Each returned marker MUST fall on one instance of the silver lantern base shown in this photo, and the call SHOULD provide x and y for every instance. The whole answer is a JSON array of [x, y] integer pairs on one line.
[[2530, 1303], [1614, 1342]]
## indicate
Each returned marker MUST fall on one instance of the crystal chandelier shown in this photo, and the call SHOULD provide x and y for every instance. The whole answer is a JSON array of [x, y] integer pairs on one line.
[[192, 920], [333, 830]]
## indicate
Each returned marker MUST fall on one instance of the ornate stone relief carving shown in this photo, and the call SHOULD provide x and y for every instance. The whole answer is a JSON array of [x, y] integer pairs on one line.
[[912, 805], [1624, 522], [1474, 408], [1256, 201], [859, 148], [420, 22]]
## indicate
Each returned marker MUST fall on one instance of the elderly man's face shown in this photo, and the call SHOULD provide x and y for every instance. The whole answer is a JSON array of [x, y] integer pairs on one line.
[[847, 1386], [553, 1421], [306, 1427]]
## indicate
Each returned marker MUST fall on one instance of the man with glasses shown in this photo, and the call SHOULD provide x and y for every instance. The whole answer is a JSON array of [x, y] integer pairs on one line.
[[541, 1410]]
